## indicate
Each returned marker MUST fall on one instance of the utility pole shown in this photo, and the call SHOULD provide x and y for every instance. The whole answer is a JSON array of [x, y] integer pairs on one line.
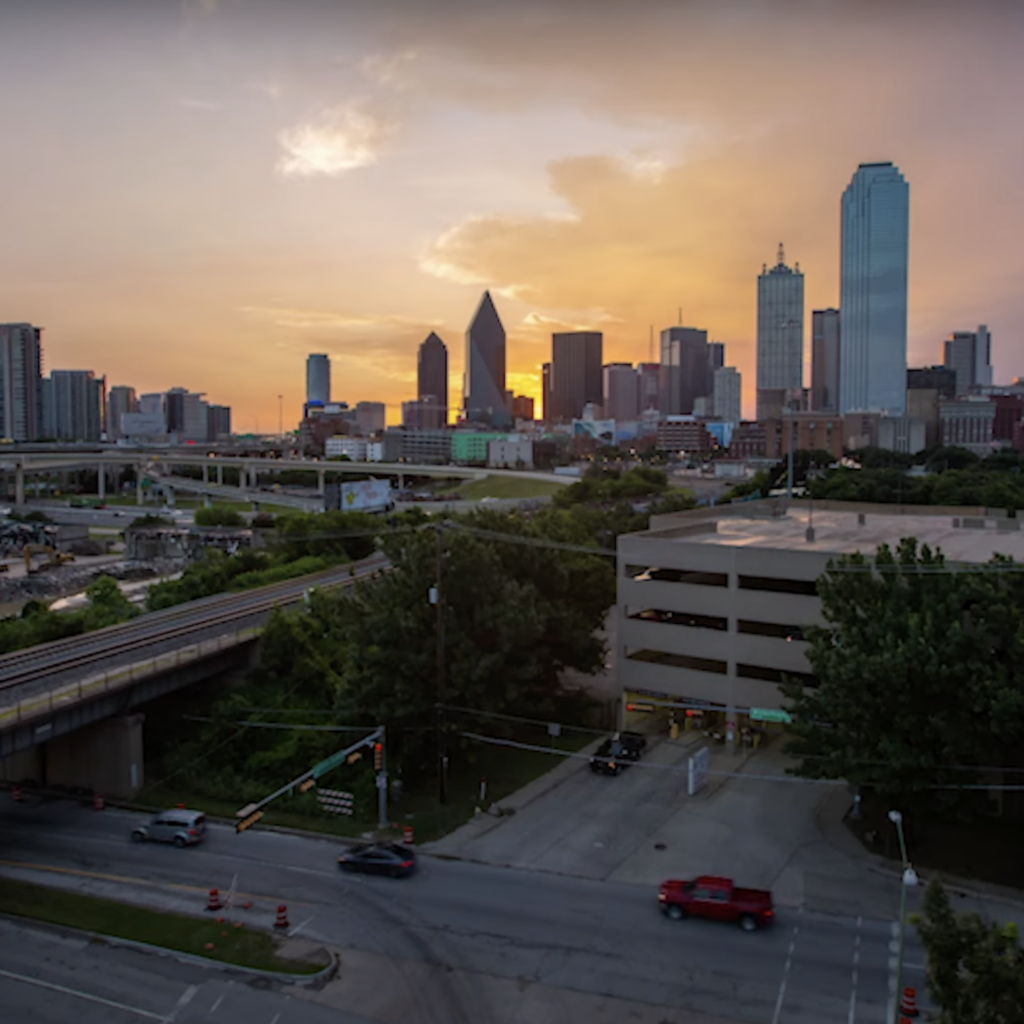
[[380, 763], [436, 598]]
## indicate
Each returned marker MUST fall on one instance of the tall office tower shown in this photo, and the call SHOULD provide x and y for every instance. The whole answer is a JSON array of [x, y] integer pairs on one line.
[[21, 382], [728, 395], [969, 354], [152, 404], [684, 373], [780, 331], [186, 414], [648, 375], [621, 392], [318, 378], [432, 382], [484, 390], [873, 291], [576, 358], [545, 392], [74, 405], [825, 360], [371, 417], [120, 399], [218, 422], [716, 356]]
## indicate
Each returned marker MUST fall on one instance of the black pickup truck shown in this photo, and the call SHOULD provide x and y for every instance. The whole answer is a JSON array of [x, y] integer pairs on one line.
[[618, 752]]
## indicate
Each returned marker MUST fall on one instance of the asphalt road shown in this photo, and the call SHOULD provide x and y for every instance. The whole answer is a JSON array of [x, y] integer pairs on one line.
[[50, 978], [465, 931]]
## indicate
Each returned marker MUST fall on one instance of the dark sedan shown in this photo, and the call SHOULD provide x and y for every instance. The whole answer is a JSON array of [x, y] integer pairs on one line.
[[618, 752], [379, 859]]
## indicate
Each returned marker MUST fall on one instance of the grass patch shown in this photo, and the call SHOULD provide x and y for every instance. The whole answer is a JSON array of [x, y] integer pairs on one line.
[[505, 770], [503, 487], [240, 946]]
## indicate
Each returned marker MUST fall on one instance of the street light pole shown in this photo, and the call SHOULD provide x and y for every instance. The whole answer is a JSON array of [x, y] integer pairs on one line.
[[907, 879]]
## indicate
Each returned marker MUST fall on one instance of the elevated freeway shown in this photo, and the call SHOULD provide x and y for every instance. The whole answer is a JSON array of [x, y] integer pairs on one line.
[[53, 690]]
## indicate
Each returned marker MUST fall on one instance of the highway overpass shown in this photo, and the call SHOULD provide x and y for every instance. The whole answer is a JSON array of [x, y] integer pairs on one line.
[[159, 463], [66, 708]]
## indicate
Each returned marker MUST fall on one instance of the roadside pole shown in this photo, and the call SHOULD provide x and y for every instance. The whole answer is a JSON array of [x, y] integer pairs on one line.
[[381, 765]]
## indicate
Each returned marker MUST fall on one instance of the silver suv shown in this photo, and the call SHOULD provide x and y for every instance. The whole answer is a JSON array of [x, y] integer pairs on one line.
[[179, 826]]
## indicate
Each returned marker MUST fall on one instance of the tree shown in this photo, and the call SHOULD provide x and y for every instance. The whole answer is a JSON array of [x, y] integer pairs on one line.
[[975, 967], [917, 673], [218, 515]]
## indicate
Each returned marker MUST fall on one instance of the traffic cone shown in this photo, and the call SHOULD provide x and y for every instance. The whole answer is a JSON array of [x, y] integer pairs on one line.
[[909, 1005], [16, 793], [282, 917], [408, 836], [214, 902], [97, 803]]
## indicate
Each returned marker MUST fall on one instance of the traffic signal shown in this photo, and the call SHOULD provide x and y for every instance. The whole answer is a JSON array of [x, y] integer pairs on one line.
[[378, 757], [245, 823], [306, 786], [353, 757]]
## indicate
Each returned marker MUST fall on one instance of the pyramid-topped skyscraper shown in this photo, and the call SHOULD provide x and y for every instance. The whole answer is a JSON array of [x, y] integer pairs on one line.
[[485, 400]]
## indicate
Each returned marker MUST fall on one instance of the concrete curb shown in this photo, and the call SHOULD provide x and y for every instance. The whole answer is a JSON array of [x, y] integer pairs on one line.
[[316, 979]]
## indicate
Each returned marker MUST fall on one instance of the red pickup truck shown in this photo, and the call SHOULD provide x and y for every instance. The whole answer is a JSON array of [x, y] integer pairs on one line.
[[716, 898]]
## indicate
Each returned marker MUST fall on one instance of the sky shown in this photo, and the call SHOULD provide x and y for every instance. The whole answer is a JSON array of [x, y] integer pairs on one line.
[[199, 193]]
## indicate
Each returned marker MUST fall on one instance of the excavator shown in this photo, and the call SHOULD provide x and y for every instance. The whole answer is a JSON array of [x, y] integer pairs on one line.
[[55, 558]]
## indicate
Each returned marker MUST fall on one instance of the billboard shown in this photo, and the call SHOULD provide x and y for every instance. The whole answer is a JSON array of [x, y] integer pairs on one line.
[[366, 496]]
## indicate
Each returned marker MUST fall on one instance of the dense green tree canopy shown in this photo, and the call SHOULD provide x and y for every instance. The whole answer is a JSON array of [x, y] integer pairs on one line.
[[219, 515], [975, 967], [919, 675]]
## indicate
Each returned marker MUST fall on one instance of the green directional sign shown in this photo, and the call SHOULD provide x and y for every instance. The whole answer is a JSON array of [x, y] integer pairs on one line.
[[770, 715], [328, 763]]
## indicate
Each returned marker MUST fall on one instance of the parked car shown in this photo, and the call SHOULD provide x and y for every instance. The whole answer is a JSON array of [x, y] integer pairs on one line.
[[179, 826], [718, 899], [618, 752], [379, 859]]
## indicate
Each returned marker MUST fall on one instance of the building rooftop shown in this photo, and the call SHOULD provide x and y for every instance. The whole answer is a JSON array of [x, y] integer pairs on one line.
[[961, 537]]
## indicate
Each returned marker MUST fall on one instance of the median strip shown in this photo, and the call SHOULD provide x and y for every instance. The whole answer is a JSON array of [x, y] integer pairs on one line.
[[222, 941]]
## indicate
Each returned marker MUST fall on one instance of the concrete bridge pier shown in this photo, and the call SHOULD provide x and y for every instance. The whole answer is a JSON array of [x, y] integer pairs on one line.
[[220, 475], [321, 481], [19, 485], [138, 483], [206, 472], [106, 757], [101, 482]]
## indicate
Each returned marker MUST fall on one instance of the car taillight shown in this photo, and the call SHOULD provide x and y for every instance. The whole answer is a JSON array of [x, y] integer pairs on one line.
[[192, 832], [406, 863]]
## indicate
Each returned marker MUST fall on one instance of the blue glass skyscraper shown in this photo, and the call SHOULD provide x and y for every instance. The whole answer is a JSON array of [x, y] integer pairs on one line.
[[873, 290]]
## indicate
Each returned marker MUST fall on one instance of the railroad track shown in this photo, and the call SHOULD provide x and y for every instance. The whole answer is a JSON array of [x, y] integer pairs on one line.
[[20, 667]]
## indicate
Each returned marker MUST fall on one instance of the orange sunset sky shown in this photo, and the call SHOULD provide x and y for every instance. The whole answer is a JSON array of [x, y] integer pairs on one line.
[[201, 192]]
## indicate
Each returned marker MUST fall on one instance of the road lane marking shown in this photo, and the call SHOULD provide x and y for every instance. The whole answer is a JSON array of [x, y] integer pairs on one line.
[[853, 976], [299, 927], [894, 945], [220, 999], [87, 996], [785, 972], [132, 880], [184, 1000]]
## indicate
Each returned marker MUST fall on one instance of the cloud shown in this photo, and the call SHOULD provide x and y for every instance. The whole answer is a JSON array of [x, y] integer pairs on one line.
[[297, 318], [338, 140]]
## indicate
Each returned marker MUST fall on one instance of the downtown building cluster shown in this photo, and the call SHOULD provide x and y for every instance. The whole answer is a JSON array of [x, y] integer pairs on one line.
[[76, 406]]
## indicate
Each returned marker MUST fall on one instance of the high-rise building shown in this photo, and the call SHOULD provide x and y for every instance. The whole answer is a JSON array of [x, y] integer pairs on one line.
[[648, 375], [685, 370], [120, 399], [933, 378], [727, 403], [825, 360], [873, 291], [218, 419], [370, 417], [780, 329], [522, 408], [545, 391], [716, 356], [186, 415], [576, 358], [318, 379], [21, 382], [432, 382], [969, 355], [484, 391], [74, 403], [621, 392]]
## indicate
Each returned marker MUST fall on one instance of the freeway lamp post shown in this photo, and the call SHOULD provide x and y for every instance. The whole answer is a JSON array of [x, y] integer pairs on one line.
[[908, 879]]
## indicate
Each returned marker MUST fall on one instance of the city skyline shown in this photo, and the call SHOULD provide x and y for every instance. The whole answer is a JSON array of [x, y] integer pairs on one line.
[[457, 164]]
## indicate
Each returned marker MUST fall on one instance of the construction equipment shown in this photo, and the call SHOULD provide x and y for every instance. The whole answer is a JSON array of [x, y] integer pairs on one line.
[[55, 558]]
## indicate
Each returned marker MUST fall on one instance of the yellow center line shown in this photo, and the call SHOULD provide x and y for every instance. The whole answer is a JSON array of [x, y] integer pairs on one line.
[[131, 880]]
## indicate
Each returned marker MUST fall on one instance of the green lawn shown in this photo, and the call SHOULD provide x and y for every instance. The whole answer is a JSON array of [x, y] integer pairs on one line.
[[241, 946], [501, 487]]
